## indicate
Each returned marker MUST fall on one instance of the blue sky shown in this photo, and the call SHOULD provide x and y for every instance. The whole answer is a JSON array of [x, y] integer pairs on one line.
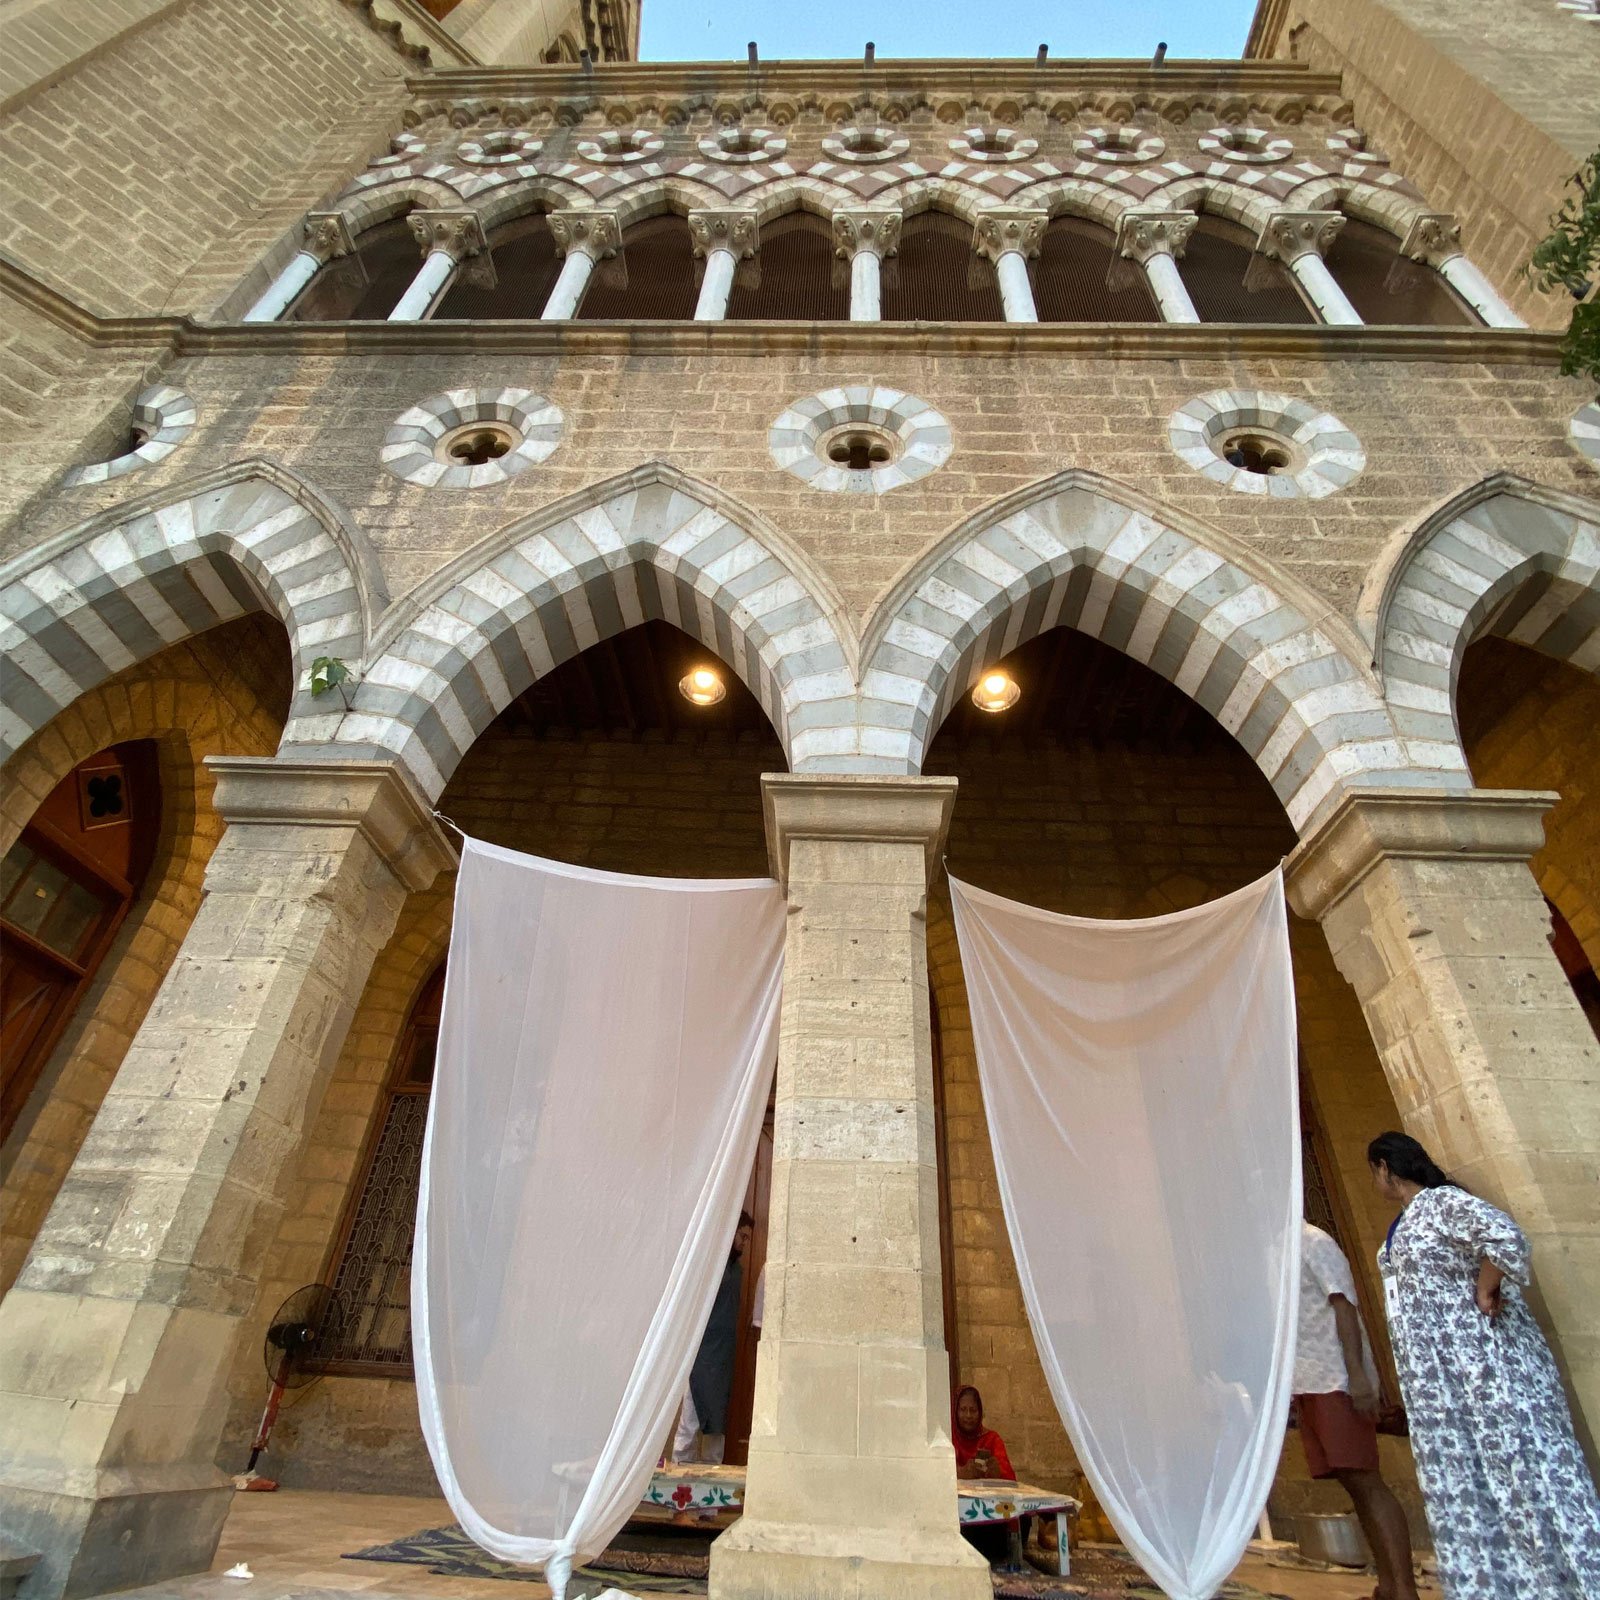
[[717, 30]]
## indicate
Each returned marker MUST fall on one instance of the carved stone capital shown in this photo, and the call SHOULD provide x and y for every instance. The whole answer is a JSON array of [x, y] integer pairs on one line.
[[873, 230], [1434, 237], [1008, 230], [327, 236], [457, 234], [596, 234], [735, 231], [1142, 234], [1289, 235]]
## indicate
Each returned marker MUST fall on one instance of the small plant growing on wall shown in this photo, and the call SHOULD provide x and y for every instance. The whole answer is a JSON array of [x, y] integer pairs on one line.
[[1569, 260], [329, 672]]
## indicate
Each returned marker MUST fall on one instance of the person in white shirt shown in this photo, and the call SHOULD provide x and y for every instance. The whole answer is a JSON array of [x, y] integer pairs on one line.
[[1336, 1400]]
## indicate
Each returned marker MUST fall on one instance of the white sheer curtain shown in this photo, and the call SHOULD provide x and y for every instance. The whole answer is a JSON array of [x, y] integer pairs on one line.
[[605, 1056], [1140, 1084]]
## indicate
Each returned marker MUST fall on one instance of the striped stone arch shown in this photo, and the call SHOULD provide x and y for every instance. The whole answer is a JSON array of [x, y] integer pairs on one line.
[[1218, 197], [1385, 207], [1073, 197], [1277, 667], [652, 543], [1505, 557], [133, 580], [391, 197]]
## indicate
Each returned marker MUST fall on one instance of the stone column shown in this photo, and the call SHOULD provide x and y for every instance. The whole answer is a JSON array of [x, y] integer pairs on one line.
[[865, 237], [1300, 239], [1156, 239], [118, 1336], [327, 237], [448, 238], [851, 1487], [1011, 238], [724, 239], [1434, 238], [1434, 917], [586, 238]]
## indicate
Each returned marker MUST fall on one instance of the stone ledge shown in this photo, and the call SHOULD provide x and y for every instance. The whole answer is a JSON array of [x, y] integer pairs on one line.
[[864, 809], [1372, 825]]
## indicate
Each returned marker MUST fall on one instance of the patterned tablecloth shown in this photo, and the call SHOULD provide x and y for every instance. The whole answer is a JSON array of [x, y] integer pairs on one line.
[[694, 1487]]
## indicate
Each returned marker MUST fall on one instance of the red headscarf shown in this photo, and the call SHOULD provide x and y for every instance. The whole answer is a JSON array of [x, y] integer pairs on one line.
[[980, 1439]]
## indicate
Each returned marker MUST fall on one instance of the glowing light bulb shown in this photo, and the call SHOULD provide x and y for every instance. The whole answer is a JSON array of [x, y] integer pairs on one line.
[[996, 691], [703, 686]]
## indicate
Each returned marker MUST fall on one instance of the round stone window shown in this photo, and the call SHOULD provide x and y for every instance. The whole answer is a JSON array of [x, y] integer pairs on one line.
[[470, 438], [862, 145], [498, 149], [1266, 444], [1126, 146], [860, 440], [742, 146], [1253, 145], [403, 147], [993, 145], [163, 417], [618, 148], [1352, 146]]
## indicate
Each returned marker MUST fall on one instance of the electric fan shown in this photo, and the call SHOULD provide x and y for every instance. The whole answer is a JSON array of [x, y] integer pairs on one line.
[[302, 1331]]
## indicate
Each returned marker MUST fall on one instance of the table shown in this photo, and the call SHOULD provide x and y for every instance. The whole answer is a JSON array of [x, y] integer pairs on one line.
[[697, 1487]]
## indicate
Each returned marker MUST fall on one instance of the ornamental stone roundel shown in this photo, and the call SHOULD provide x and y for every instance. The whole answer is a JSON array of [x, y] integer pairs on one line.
[[864, 439], [1266, 444], [163, 417], [471, 438]]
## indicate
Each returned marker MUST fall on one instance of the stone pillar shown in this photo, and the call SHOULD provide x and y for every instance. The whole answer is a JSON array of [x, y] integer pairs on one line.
[[118, 1337], [1156, 239], [447, 238], [1300, 239], [1435, 919], [586, 238], [724, 239], [1011, 238], [1434, 238], [851, 1483], [327, 237], [864, 237]]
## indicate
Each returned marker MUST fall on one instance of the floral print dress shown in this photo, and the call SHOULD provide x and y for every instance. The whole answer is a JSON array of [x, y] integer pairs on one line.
[[1510, 1500]]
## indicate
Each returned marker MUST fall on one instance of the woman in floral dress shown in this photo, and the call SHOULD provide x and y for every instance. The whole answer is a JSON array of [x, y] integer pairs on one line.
[[1510, 1500]]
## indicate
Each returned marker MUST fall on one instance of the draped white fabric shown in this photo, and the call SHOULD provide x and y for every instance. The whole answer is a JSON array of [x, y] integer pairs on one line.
[[1140, 1085], [605, 1056]]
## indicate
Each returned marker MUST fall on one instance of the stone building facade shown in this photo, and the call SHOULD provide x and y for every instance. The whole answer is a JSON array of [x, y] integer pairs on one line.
[[1203, 398]]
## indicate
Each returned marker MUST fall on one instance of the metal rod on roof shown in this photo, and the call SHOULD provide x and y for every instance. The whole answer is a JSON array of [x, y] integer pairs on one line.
[[1044, 51], [751, 51], [871, 51], [1160, 55]]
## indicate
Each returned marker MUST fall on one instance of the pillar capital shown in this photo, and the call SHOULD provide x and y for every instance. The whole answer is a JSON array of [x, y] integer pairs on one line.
[[327, 235], [1434, 237], [734, 229], [1148, 231], [1009, 230], [1371, 826], [863, 809], [375, 798], [457, 234], [595, 234], [866, 230], [1289, 235]]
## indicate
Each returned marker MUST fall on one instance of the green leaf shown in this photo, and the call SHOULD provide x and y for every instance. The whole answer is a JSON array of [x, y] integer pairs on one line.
[[327, 672]]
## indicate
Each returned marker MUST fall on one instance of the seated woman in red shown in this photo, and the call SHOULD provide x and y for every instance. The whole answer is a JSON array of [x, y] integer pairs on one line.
[[980, 1451]]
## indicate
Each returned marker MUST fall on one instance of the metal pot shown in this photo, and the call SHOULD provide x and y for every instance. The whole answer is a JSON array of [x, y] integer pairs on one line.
[[1334, 1537]]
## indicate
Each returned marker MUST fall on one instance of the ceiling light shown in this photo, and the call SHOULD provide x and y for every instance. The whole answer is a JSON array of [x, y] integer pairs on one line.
[[996, 691], [702, 687]]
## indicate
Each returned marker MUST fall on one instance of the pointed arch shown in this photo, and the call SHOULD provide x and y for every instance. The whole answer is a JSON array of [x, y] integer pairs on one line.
[[366, 206], [253, 536], [1505, 556], [1073, 197], [1385, 207], [1275, 665], [1219, 197], [651, 543]]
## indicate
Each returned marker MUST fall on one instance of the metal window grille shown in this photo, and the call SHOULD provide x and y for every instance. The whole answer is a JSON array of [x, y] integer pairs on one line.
[[658, 258], [1074, 277], [1384, 288], [1214, 266], [797, 279], [936, 277]]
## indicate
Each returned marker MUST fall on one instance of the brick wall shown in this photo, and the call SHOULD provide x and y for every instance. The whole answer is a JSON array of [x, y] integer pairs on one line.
[[1429, 431], [221, 694]]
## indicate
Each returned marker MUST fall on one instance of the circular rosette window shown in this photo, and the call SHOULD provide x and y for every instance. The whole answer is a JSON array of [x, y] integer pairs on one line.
[[471, 438], [1266, 444], [860, 440]]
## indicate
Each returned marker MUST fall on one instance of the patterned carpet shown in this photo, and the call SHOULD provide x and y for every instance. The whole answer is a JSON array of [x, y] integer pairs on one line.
[[668, 1563]]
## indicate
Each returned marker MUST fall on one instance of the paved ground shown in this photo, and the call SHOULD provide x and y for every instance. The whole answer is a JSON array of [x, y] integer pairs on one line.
[[293, 1542]]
